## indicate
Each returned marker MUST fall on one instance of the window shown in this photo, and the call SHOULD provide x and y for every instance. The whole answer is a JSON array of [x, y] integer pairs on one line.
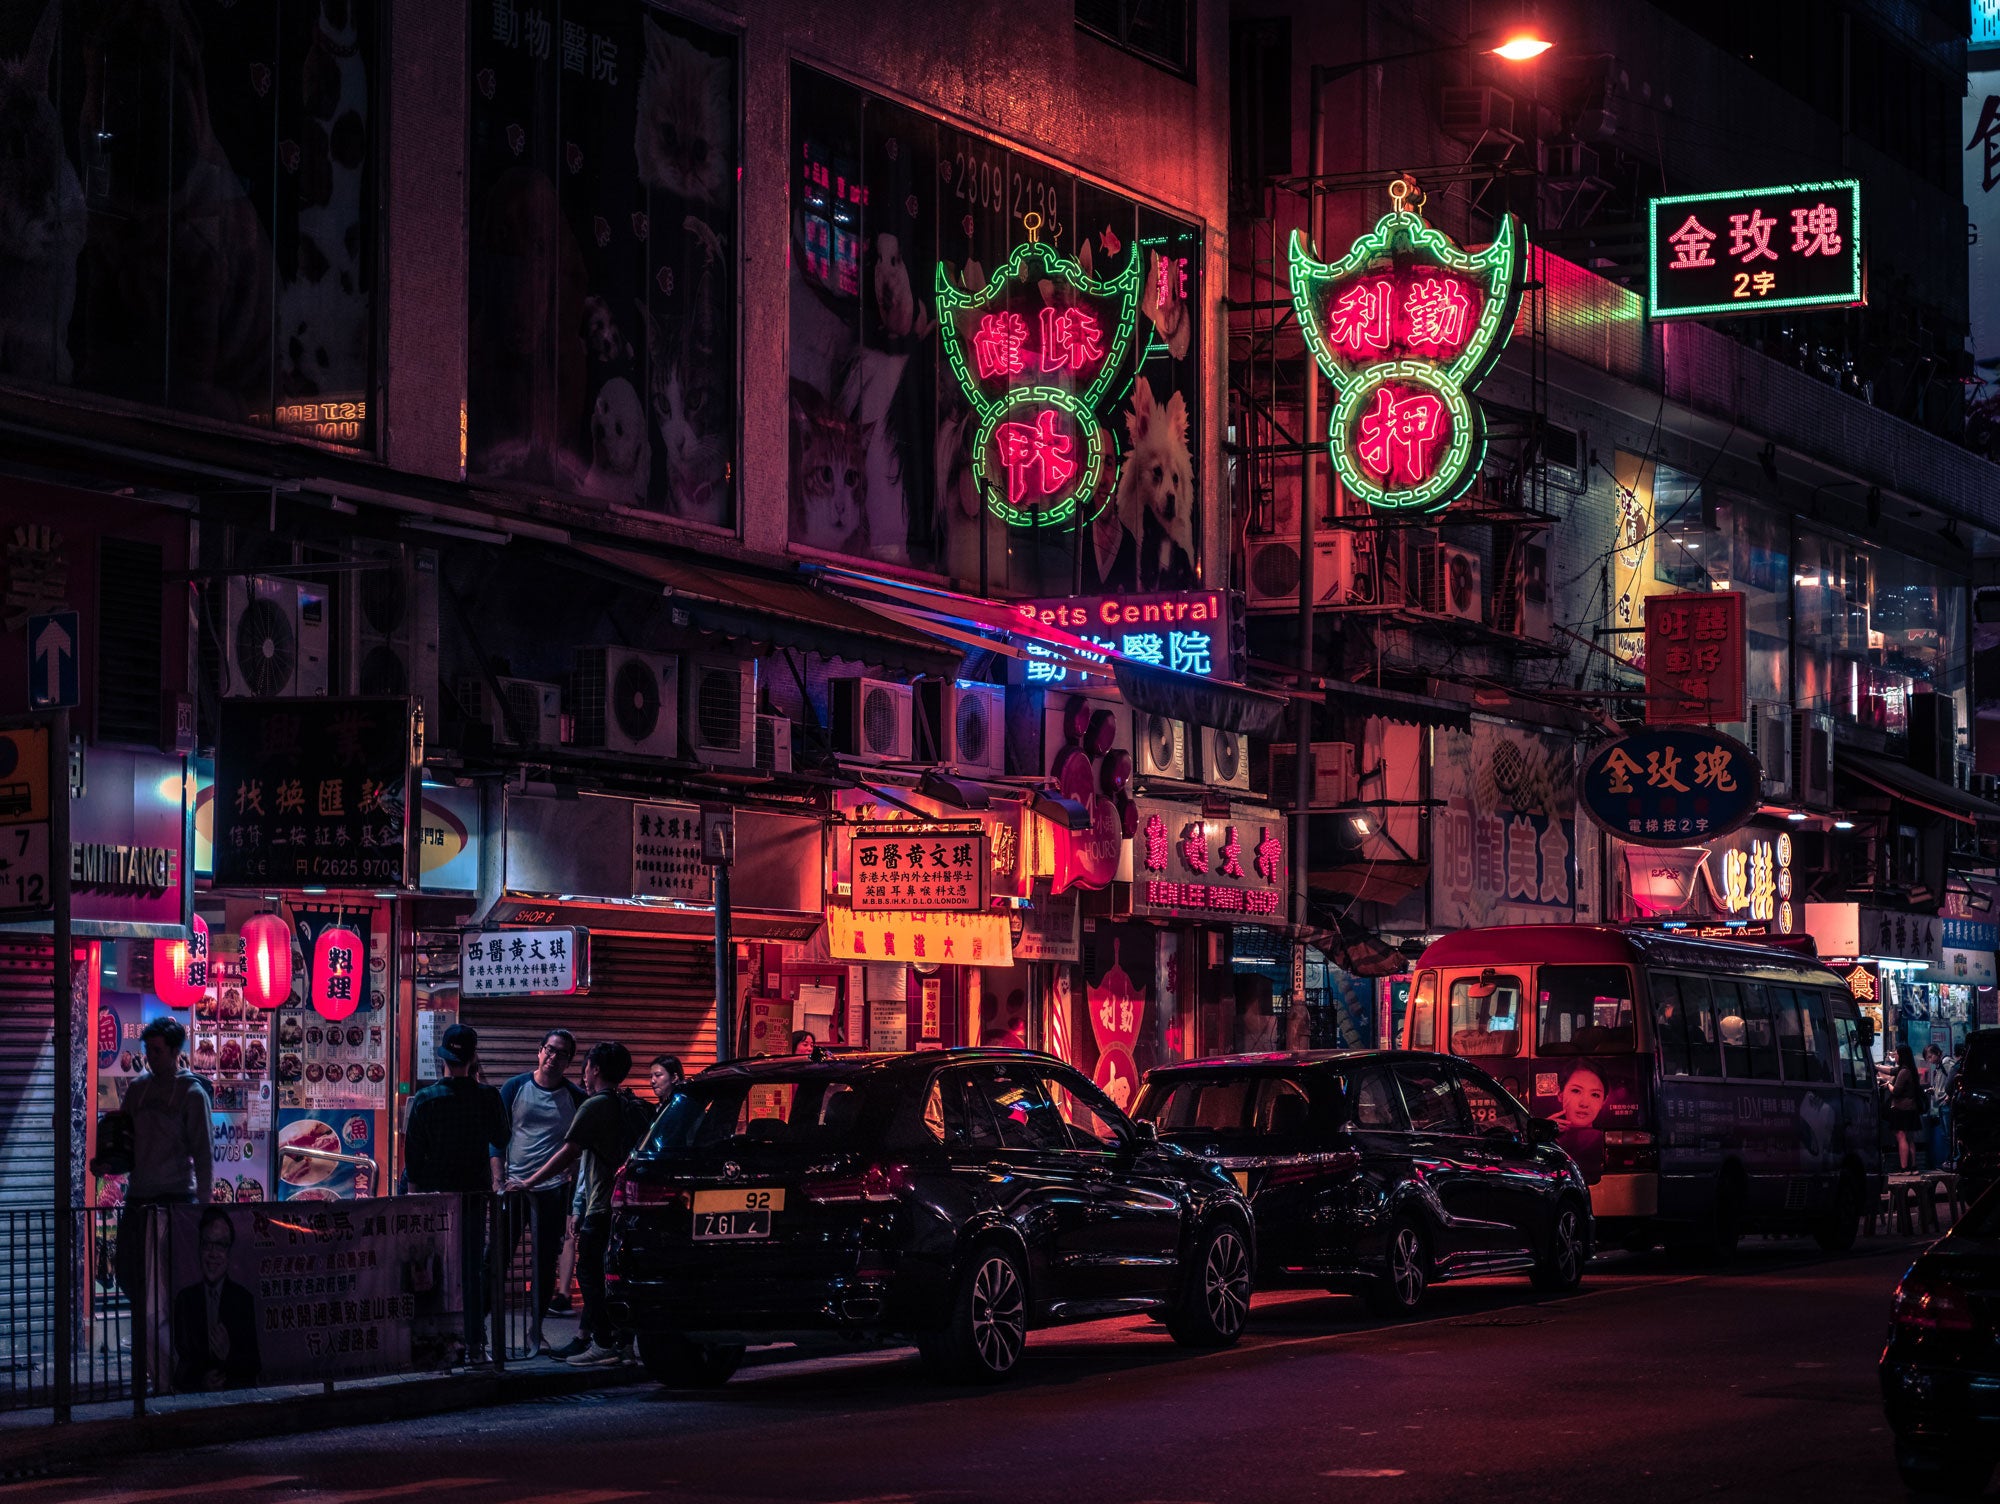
[[1704, 1044], [1158, 30], [1669, 1025], [812, 1113], [1283, 1108], [1423, 1013], [1372, 1100], [1093, 1122], [1431, 1099], [1021, 1109], [1584, 1010], [1749, 1039], [1491, 1107], [1188, 1104], [1819, 1044], [1486, 1015], [1791, 1014], [1855, 1067]]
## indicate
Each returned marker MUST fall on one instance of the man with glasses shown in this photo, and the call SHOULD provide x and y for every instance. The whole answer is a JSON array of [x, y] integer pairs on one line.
[[540, 1105]]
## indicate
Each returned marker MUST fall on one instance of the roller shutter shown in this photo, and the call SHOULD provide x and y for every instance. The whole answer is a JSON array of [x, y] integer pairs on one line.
[[27, 1074]]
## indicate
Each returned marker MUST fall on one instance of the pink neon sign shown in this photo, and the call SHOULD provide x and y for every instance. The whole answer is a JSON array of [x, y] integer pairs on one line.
[[1398, 435], [1038, 459]]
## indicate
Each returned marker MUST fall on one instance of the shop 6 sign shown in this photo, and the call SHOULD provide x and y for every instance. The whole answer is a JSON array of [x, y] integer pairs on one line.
[[1674, 786], [1040, 352], [1405, 325]]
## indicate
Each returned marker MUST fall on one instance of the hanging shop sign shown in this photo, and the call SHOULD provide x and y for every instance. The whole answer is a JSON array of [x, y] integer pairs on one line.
[[1405, 325], [1750, 250], [1039, 352], [1857, 930], [1864, 981], [1188, 863], [524, 963], [1972, 968], [667, 859], [1750, 878], [1670, 785], [945, 939], [1049, 929], [314, 793], [1184, 630], [1970, 934], [920, 866], [1694, 657]]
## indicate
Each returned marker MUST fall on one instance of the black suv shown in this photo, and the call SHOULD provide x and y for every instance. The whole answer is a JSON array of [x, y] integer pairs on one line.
[[1381, 1171], [1974, 1095], [954, 1198]]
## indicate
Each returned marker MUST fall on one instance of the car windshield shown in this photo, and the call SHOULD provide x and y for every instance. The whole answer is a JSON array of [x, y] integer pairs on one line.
[[1250, 1103], [809, 1110]]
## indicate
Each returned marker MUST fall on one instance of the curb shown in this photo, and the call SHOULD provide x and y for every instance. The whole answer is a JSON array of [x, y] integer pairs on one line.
[[48, 1448]]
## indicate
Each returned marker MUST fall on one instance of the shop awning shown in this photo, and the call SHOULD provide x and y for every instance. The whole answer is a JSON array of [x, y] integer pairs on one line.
[[690, 923], [1907, 784], [1370, 882], [769, 609]]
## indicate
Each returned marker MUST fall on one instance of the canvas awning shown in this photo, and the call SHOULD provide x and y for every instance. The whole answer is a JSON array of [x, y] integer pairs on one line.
[[1903, 782]]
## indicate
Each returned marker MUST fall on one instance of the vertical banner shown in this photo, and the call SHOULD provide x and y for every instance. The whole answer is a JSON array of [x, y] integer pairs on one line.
[[1694, 657], [1506, 835], [1119, 986]]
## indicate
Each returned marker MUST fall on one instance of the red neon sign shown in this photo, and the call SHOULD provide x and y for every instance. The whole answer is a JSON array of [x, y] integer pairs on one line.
[[1398, 434], [1070, 337], [996, 347], [1036, 457], [1170, 895]]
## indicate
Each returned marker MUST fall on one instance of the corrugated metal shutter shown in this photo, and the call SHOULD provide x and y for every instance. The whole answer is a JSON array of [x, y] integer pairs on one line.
[[27, 1074], [650, 995]]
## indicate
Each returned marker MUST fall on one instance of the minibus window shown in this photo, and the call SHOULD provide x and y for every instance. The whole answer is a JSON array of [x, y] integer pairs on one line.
[[1423, 1013], [1703, 1047], [1584, 1010], [1749, 1043], [1669, 1025], [1486, 1014]]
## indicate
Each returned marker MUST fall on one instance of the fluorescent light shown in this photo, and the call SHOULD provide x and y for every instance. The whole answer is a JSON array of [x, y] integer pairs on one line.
[[1843, 825]]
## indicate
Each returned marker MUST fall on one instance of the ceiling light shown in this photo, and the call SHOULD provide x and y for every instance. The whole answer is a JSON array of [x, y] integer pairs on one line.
[[1843, 825]]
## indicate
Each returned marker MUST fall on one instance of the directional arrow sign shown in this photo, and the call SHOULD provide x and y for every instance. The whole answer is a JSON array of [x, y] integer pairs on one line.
[[55, 643]]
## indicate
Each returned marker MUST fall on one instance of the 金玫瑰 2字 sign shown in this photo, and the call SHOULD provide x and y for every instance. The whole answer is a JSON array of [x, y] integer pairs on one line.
[[1670, 786], [1750, 250]]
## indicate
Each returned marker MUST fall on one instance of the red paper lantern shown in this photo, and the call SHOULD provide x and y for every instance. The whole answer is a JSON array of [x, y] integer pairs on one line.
[[339, 972], [267, 961], [180, 967]]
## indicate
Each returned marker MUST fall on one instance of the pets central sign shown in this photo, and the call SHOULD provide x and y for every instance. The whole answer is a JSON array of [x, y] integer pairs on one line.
[[1184, 630], [1405, 325]]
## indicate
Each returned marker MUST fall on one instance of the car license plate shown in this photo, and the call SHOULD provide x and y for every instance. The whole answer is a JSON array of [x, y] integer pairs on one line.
[[729, 1215]]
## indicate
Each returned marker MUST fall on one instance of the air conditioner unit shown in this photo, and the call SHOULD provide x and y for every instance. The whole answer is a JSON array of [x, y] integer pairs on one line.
[[1271, 570], [275, 638], [1423, 584], [719, 710], [872, 719], [1333, 784], [1522, 604], [533, 714], [1467, 114], [962, 725], [1812, 758], [774, 744], [389, 619], [1159, 746], [1569, 162], [627, 700], [1225, 759], [1769, 734], [1459, 583], [1098, 726]]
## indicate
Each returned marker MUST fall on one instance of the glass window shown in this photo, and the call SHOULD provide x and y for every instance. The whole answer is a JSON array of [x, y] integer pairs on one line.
[[1855, 1069], [813, 1112], [1584, 1010], [1873, 628], [1819, 1044], [1749, 1037], [1486, 1015], [1021, 1108], [1431, 1098], [1790, 1032], [1373, 1101], [1491, 1107], [1187, 1103], [1423, 1013], [1669, 1025], [1704, 1043], [1093, 1122], [1283, 1108]]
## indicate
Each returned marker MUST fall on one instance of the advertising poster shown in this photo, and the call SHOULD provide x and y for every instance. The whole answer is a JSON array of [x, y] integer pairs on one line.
[[306, 1135], [1120, 987], [1586, 1096], [327, 1064], [332, 1294], [1506, 834], [242, 1148]]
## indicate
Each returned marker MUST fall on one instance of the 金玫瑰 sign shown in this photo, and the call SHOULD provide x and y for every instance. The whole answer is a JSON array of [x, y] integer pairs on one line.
[[1670, 786], [920, 866], [1694, 657], [1184, 630], [1750, 250], [1185, 862], [524, 963]]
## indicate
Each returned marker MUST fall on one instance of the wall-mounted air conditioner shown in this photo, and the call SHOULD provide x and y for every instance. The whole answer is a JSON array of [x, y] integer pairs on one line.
[[532, 713], [872, 719], [389, 616], [1159, 746], [275, 638], [627, 700], [1768, 731], [1225, 759], [719, 710], [774, 744]]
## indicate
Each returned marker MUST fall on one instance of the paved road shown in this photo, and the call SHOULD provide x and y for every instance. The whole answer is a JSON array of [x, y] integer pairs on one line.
[[1655, 1384]]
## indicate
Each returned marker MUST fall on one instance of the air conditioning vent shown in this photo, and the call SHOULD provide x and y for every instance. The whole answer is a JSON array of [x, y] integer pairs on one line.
[[1459, 583], [1468, 114], [389, 616], [1225, 759], [1522, 604], [774, 744], [532, 716], [276, 638], [1344, 572], [627, 701], [872, 719], [719, 710], [1159, 746], [1769, 733], [1812, 758], [962, 726], [1421, 577]]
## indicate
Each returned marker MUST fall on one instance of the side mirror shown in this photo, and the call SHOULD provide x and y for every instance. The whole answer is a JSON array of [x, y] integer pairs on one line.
[[1144, 1131], [1503, 1134], [1543, 1131]]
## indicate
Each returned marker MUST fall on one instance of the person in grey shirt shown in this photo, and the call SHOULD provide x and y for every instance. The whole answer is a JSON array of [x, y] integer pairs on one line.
[[173, 1155], [540, 1105]]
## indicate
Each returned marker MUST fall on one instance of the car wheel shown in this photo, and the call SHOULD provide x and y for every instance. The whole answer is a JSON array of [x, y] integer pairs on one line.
[[988, 1323], [1559, 1269], [673, 1360], [1956, 1472], [1843, 1224], [1401, 1291], [1214, 1299]]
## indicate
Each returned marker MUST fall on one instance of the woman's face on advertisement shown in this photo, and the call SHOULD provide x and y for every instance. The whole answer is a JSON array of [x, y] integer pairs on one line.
[[1582, 1097]]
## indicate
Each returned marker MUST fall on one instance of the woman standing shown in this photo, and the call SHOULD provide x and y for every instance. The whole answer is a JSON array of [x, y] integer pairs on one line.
[[1906, 1107]]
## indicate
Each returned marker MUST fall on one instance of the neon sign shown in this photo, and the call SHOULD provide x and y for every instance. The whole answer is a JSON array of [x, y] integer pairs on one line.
[[1749, 250], [1039, 352], [1187, 631], [1404, 326]]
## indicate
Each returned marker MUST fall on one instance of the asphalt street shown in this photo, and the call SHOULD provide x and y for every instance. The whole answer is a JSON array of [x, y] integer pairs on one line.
[[1656, 1383]]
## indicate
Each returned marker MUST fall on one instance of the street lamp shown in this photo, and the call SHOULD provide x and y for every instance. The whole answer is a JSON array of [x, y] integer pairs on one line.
[[1522, 47]]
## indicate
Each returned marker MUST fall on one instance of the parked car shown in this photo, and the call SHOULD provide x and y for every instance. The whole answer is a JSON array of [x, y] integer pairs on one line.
[[955, 1198], [1381, 1172], [1974, 1095], [1940, 1369]]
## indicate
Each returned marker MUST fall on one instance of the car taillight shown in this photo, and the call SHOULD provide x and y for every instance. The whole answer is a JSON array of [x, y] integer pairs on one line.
[[878, 1182], [625, 1191], [1924, 1304], [1284, 1169]]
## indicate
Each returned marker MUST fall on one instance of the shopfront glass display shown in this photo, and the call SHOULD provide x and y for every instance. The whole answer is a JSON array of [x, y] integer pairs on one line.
[[1874, 627]]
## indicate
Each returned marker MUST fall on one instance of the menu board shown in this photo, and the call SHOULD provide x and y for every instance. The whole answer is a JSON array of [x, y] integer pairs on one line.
[[341, 1066]]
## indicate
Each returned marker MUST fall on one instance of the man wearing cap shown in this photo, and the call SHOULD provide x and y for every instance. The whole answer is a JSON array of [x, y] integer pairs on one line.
[[453, 1140]]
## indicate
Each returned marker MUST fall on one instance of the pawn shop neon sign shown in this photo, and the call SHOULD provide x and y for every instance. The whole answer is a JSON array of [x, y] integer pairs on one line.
[[1039, 352], [1404, 326]]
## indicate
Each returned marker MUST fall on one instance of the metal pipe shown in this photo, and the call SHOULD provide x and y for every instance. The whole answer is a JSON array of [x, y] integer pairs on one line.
[[1308, 514], [67, 1266]]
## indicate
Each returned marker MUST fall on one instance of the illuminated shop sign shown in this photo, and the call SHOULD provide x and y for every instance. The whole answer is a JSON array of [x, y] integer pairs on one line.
[[1755, 881], [338, 421], [920, 866], [1670, 786], [1187, 631], [1185, 862], [1404, 326], [1694, 657], [954, 939], [1750, 250]]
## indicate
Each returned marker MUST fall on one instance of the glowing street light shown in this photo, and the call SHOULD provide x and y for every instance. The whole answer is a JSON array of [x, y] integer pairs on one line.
[[1522, 47]]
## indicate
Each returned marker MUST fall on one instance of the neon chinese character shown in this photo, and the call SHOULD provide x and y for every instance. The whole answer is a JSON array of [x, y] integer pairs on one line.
[[1750, 236], [1397, 436], [1663, 770], [1691, 242], [1816, 231], [1763, 881], [1437, 309], [1156, 844], [1618, 770], [1034, 453], [1069, 338], [1145, 647], [1189, 653], [1194, 847], [1735, 882], [1232, 854], [996, 348], [1712, 769], [1269, 853], [1043, 667], [1761, 283], [1359, 320]]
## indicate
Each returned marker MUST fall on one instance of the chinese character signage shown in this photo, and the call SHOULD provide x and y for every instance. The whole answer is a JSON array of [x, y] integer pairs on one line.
[[667, 859], [1970, 934], [524, 963], [1187, 631], [1405, 325], [1856, 930], [1750, 250], [1694, 657], [937, 939], [1671, 786], [313, 793], [1184, 862], [1504, 838], [920, 866]]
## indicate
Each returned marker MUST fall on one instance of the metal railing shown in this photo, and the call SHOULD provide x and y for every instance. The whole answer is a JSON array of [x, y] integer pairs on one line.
[[99, 1349]]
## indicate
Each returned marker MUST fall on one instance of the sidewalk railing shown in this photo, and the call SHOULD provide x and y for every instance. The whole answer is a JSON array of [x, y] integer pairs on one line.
[[99, 1349]]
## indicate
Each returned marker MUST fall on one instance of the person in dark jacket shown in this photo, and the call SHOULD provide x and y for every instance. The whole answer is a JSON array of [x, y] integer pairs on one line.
[[453, 1140], [215, 1321]]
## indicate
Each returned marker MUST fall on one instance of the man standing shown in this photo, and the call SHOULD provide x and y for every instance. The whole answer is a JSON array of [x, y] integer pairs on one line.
[[215, 1322], [452, 1141], [600, 1137], [540, 1104], [173, 1156]]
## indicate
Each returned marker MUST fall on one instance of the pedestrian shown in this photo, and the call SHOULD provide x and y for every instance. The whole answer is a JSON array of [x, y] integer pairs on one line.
[[600, 1137], [1937, 1082], [173, 1152], [1906, 1107], [803, 1042], [665, 1077], [453, 1140], [540, 1106]]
